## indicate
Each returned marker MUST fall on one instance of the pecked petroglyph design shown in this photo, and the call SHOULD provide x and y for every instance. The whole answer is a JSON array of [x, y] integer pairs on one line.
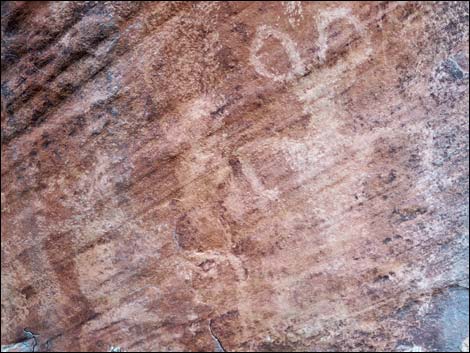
[[326, 18], [238, 176], [323, 20], [264, 32]]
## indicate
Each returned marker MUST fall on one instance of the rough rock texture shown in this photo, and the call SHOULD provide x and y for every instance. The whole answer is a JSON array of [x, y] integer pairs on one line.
[[243, 176]]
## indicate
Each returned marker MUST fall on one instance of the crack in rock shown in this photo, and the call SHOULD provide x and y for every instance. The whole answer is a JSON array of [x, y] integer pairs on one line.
[[218, 345]]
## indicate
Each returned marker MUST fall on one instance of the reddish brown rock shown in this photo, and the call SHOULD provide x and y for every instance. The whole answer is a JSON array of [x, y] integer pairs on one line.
[[239, 176]]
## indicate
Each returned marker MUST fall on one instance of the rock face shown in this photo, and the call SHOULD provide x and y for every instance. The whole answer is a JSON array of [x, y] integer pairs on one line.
[[235, 176]]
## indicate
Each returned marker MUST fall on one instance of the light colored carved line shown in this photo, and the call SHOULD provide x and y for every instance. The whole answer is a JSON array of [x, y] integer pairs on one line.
[[176, 239], [263, 33]]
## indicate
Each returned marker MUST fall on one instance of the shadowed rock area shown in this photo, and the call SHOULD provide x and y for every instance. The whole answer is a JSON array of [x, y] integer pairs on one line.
[[234, 176]]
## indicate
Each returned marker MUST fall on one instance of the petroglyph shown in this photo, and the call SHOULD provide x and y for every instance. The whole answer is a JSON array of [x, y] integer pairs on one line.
[[323, 21], [291, 174], [263, 33], [326, 18], [294, 12], [322, 83], [256, 184]]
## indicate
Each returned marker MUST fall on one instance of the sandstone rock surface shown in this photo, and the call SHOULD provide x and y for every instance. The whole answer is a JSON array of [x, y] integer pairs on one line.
[[239, 176]]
